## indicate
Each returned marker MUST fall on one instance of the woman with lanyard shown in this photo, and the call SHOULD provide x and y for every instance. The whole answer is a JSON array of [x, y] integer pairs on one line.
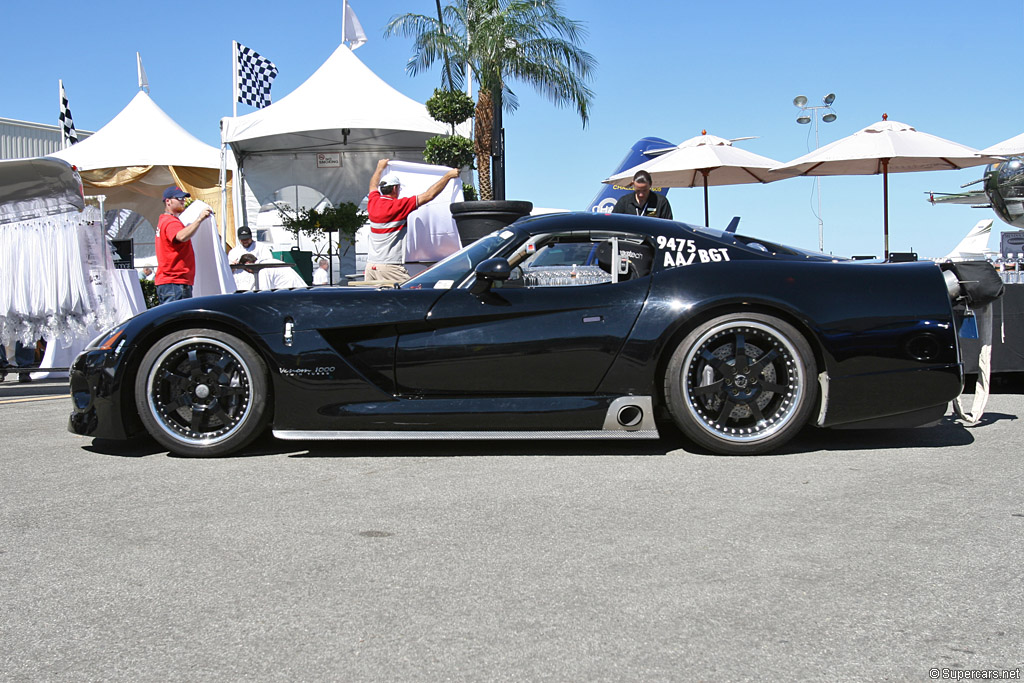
[[643, 202]]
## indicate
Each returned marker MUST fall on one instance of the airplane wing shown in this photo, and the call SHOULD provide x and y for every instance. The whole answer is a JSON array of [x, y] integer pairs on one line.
[[975, 198]]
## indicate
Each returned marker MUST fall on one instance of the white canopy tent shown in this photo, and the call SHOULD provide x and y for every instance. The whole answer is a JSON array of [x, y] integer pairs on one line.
[[140, 152], [328, 133]]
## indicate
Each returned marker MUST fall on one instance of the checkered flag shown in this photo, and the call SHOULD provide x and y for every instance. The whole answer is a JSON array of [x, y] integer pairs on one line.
[[255, 74], [68, 135]]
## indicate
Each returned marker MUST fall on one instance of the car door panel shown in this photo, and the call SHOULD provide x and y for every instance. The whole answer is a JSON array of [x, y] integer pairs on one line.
[[519, 341]]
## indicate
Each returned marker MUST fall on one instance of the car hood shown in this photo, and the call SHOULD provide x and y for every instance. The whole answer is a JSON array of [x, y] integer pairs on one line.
[[262, 312]]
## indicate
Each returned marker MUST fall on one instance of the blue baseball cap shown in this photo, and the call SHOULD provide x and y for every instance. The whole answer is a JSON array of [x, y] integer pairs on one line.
[[175, 193]]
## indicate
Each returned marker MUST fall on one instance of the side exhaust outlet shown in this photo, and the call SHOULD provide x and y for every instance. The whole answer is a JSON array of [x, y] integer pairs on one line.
[[630, 414]]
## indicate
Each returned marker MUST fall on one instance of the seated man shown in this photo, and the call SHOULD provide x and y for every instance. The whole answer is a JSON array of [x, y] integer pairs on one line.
[[247, 245], [245, 279], [280, 277]]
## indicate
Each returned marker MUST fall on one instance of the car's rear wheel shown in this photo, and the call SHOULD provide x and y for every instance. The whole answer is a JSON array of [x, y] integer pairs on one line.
[[202, 392], [742, 384]]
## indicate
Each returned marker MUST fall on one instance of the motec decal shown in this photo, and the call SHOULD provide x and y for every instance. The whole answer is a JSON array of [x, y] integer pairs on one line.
[[680, 252]]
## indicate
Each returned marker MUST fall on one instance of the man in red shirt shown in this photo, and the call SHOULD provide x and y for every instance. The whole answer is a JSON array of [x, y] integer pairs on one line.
[[389, 213], [176, 262]]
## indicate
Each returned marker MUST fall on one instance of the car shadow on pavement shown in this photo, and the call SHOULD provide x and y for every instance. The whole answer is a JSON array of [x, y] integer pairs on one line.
[[137, 447], [143, 446], [949, 432]]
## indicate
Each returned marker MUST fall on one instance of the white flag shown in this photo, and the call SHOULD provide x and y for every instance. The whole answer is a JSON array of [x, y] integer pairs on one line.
[[352, 30], [68, 135], [143, 81]]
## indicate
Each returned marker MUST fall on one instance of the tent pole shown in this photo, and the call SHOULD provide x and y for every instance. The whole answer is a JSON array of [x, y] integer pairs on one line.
[[222, 219], [241, 189]]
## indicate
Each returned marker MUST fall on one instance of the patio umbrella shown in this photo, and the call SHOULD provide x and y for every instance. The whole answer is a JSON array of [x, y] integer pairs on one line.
[[884, 147], [1011, 148], [702, 161]]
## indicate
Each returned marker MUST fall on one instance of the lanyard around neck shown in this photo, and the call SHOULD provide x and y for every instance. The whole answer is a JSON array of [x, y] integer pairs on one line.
[[641, 209]]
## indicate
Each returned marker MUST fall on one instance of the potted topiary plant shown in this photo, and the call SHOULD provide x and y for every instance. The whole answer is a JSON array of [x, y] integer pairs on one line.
[[454, 151], [474, 219]]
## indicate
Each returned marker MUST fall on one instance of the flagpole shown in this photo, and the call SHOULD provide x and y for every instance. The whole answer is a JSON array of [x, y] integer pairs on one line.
[[344, 18], [235, 78], [223, 145]]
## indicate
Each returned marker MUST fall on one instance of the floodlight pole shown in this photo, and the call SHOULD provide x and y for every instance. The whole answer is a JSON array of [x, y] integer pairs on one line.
[[801, 102], [817, 186]]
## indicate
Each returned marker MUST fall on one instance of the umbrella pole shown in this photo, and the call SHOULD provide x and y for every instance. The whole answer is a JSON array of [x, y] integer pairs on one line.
[[704, 172], [885, 203]]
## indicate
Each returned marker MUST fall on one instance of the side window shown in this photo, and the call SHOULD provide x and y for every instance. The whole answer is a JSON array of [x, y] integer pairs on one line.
[[568, 260]]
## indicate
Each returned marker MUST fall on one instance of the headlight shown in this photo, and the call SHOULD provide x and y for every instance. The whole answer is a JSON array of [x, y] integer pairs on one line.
[[108, 339]]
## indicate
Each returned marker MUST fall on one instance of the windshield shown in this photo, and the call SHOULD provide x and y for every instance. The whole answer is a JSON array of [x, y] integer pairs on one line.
[[452, 270]]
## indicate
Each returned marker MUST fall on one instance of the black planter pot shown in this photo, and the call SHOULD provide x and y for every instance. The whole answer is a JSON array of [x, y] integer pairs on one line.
[[476, 219]]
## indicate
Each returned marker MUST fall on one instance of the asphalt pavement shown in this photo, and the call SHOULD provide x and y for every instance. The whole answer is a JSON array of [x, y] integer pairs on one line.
[[880, 555]]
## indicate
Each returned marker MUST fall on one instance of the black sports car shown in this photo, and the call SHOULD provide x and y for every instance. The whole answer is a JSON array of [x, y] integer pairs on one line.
[[567, 326]]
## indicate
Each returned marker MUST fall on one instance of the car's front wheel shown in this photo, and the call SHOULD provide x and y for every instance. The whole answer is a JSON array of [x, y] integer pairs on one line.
[[202, 392], [742, 384]]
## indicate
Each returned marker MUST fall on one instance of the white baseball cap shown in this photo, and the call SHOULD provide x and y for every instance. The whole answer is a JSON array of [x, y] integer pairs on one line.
[[390, 180]]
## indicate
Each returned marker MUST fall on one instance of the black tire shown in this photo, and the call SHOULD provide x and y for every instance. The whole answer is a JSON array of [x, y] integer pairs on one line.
[[746, 403], [202, 393]]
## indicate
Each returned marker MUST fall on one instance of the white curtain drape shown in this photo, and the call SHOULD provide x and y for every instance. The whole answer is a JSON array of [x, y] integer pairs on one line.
[[56, 277]]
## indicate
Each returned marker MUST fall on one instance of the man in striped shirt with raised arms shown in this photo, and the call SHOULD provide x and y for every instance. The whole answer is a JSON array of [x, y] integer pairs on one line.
[[389, 214]]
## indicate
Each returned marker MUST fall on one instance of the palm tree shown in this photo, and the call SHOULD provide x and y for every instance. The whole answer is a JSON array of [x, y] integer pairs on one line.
[[501, 41]]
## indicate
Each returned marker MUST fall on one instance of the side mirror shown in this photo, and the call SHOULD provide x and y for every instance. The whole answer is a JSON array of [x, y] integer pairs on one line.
[[489, 271]]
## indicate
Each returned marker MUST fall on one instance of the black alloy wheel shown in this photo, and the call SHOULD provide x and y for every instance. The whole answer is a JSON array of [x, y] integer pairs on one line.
[[202, 392], [742, 384]]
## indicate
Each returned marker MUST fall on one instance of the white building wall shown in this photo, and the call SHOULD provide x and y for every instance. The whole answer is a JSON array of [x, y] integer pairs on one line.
[[24, 139]]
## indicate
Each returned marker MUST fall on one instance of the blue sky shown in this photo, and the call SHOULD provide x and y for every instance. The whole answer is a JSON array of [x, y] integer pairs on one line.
[[668, 69]]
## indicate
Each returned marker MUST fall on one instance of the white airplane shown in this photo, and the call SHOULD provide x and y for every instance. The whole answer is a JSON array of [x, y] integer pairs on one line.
[[974, 246]]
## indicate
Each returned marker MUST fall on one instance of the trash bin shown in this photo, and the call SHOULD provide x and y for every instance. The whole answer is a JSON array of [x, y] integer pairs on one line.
[[302, 262]]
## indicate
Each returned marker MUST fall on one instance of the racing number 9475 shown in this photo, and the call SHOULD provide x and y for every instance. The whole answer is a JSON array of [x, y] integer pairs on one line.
[[683, 252]]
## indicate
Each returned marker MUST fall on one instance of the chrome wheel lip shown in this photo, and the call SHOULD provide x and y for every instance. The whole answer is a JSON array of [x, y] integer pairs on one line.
[[780, 418], [159, 415]]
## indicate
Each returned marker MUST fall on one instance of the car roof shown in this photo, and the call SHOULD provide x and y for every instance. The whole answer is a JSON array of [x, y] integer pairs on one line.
[[585, 222]]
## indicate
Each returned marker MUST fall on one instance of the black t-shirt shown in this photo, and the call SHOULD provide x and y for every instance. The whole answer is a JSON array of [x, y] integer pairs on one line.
[[657, 205]]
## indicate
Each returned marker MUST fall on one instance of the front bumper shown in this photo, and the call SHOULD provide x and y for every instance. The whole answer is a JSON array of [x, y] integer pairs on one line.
[[98, 397]]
